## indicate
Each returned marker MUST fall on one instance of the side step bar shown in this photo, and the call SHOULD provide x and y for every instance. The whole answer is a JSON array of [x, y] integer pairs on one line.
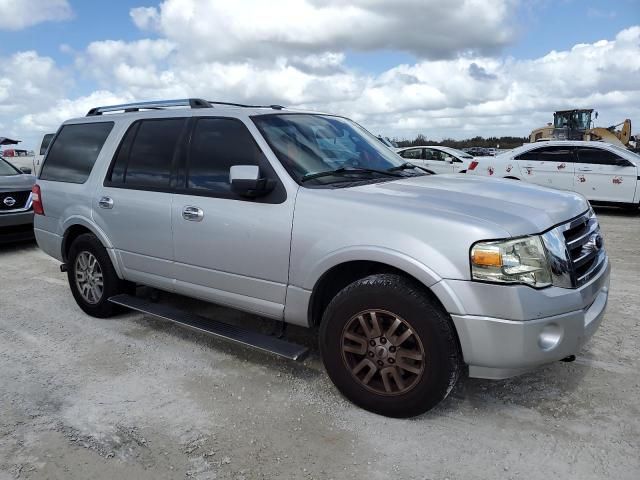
[[218, 329]]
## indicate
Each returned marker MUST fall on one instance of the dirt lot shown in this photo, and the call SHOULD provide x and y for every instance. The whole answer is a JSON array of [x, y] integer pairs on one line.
[[133, 397]]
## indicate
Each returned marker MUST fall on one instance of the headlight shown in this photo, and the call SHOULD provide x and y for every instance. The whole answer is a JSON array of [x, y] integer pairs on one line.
[[522, 260]]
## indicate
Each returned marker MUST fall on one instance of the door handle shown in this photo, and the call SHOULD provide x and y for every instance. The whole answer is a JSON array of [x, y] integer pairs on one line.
[[193, 214], [106, 202], [584, 170]]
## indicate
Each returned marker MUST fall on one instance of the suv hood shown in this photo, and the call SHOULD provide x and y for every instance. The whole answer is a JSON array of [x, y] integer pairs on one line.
[[12, 183], [516, 207]]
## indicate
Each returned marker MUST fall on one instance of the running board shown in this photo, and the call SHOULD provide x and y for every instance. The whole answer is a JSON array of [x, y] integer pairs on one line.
[[250, 338]]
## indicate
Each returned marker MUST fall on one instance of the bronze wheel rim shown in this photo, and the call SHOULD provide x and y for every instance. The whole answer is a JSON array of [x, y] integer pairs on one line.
[[383, 352]]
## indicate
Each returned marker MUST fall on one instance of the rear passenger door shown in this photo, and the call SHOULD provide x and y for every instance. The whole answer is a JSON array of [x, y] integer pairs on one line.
[[550, 166], [603, 175], [133, 206], [230, 249]]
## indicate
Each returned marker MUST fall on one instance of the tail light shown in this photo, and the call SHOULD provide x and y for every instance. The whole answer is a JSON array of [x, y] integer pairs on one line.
[[36, 199], [473, 165]]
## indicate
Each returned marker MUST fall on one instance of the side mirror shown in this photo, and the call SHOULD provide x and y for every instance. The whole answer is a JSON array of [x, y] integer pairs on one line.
[[25, 170], [245, 181]]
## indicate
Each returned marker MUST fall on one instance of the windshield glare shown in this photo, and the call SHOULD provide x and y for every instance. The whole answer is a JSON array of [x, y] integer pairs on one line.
[[307, 144], [6, 169]]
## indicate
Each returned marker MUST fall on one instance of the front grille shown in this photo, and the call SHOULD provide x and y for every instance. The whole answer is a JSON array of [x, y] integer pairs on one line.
[[585, 248], [19, 201]]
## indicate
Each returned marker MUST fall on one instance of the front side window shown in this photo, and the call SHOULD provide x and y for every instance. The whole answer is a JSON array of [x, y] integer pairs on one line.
[[549, 154], [217, 144], [308, 144], [145, 156], [597, 156], [75, 151]]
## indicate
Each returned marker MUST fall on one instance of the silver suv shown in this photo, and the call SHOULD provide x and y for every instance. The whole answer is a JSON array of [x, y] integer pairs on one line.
[[308, 219]]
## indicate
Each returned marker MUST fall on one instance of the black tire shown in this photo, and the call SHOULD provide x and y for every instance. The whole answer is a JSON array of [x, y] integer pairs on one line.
[[430, 323], [112, 285]]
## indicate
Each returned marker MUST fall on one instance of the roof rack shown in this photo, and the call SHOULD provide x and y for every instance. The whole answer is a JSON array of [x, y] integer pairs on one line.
[[274, 107], [160, 104], [155, 105]]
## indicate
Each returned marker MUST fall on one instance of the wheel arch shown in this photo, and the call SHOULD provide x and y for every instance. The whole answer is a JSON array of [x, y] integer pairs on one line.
[[77, 226], [342, 271]]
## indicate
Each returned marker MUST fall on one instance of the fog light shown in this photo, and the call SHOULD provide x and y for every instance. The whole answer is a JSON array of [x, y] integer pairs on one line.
[[550, 337]]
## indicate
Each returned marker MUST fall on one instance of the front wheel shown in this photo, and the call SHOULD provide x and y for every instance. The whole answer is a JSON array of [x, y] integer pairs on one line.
[[389, 347], [92, 278]]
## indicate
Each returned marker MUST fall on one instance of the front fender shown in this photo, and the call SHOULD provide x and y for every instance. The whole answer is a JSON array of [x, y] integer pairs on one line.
[[390, 257]]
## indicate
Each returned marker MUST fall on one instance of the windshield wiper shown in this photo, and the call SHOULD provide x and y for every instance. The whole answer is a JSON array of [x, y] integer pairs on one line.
[[347, 171], [407, 166]]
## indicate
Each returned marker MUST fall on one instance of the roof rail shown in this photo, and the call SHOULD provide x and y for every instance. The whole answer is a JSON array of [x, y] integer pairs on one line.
[[154, 105], [274, 107]]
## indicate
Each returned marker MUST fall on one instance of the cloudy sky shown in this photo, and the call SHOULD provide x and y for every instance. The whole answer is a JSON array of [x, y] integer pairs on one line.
[[454, 68]]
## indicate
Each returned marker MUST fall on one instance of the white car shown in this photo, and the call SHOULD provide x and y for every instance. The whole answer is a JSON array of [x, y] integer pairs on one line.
[[602, 172], [437, 159]]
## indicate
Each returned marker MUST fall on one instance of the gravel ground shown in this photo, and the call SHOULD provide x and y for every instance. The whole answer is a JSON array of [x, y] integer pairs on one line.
[[134, 397]]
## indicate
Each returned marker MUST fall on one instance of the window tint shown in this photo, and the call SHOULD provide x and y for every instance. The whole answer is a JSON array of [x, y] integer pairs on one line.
[[414, 153], [549, 154], [596, 155], [74, 151], [146, 153], [216, 145], [46, 140]]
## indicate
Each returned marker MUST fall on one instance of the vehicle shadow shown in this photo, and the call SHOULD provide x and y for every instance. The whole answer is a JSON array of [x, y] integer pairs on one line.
[[544, 389], [17, 246]]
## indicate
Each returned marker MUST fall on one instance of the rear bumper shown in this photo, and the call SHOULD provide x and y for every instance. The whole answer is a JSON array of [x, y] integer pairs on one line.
[[500, 348]]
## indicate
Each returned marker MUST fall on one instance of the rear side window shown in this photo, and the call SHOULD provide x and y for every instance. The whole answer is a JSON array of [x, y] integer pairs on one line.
[[145, 156], [414, 153], [217, 144], [597, 156], [74, 152], [549, 154]]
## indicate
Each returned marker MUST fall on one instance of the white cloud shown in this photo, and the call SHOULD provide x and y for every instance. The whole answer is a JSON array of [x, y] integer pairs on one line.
[[254, 29], [19, 14], [466, 95]]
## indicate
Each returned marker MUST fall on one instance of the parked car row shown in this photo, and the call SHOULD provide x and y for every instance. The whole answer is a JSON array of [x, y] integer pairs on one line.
[[602, 172]]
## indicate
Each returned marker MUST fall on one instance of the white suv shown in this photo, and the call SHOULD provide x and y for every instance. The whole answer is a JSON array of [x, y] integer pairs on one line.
[[307, 218], [603, 173]]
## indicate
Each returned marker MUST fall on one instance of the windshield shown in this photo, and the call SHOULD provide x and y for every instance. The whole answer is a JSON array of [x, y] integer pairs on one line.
[[636, 157], [307, 144], [7, 169], [457, 153]]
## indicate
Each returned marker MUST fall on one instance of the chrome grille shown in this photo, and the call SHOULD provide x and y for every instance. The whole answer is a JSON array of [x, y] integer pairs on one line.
[[10, 201], [585, 248]]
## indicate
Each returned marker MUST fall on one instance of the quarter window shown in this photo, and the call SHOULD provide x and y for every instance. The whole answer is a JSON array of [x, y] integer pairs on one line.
[[549, 154], [75, 151], [217, 144]]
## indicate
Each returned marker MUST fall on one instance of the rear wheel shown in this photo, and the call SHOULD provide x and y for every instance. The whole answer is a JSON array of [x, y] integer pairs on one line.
[[389, 347], [92, 277]]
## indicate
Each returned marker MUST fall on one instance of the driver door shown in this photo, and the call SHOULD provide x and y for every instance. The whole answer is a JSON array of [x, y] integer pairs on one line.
[[229, 249]]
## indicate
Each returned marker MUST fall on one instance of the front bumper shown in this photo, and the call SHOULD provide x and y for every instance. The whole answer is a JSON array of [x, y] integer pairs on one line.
[[15, 227], [533, 328]]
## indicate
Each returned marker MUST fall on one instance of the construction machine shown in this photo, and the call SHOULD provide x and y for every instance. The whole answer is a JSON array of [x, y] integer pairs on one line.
[[577, 125]]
